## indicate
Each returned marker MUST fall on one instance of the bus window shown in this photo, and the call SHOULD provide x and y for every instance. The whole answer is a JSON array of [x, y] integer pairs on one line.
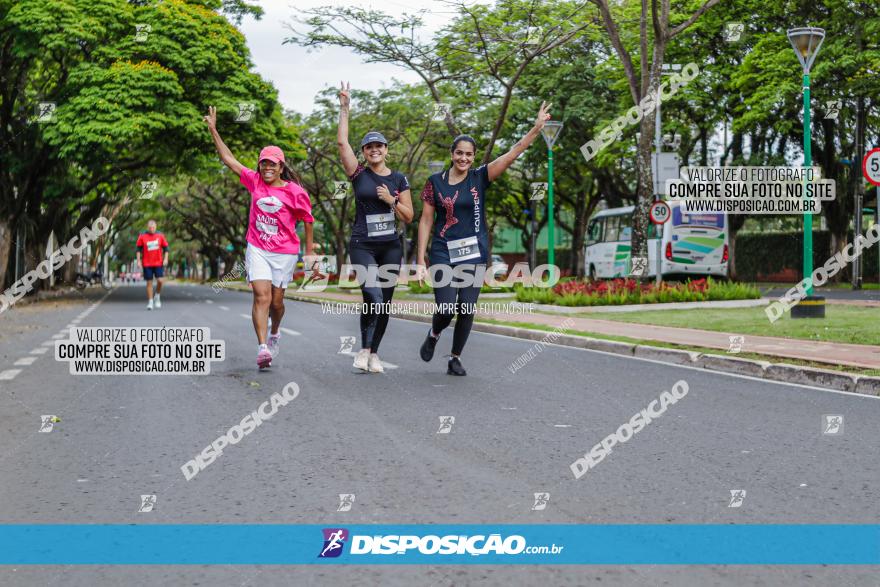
[[625, 229], [612, 228], [594, 231]]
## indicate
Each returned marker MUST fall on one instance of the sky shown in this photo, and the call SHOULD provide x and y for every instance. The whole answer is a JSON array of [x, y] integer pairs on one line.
[[299, 75]]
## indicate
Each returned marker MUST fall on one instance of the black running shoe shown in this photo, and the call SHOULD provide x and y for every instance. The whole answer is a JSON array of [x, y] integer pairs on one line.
[[455, 368], [427, 350]]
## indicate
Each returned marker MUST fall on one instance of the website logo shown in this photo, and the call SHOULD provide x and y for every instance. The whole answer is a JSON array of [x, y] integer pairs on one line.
[[334, 540]]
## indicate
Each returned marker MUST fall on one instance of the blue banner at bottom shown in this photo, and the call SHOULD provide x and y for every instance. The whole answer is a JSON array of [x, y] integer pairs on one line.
[[542, 544]]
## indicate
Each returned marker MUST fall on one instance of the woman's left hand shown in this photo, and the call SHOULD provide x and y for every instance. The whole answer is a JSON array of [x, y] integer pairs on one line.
[[543, 115], [385, 194]]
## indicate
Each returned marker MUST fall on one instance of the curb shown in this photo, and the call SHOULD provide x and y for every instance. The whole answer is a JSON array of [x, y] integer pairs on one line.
[[836, 380]]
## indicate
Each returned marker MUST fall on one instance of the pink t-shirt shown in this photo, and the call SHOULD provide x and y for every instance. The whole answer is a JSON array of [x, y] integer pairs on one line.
[[274, 212]]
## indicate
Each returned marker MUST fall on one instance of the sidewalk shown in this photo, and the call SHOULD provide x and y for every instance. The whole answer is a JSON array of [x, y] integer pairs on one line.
[[854, 355]]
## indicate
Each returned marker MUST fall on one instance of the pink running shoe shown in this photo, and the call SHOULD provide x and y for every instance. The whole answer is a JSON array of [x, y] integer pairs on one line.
[[264, 358]]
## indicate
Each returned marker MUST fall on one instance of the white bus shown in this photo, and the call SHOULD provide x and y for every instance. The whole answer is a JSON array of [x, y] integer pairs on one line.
[[692, 244]]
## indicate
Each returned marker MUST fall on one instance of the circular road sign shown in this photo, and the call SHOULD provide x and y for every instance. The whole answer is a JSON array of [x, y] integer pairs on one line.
[[871, 166], [660, 212]]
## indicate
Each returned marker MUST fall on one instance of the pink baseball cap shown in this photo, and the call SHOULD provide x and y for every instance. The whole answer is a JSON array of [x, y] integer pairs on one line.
[[272, 153]]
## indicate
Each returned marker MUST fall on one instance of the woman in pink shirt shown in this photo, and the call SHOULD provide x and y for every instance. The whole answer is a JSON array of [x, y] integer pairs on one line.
[[278, 201]]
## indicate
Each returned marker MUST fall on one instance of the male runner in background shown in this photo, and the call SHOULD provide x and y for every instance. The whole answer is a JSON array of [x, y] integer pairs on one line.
[[152, 244]]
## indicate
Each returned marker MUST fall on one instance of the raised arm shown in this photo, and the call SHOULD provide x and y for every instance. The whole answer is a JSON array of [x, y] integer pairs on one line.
[[226, 155], [349, 159], [500, 165]]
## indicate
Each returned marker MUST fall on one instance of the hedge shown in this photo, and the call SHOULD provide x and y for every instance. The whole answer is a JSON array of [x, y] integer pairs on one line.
[[765, 253]]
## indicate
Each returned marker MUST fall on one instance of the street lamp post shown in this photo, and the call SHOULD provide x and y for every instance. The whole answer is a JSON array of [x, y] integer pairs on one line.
[[551, 131], [806, 42]]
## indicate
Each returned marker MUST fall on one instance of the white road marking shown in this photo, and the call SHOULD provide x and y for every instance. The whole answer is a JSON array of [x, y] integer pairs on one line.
[[223, 308], [57, 336], [9, 374], [25, 361], [700, 369], [562, 425], [282, 329], [41, 350], [49, 343], [209, 301]]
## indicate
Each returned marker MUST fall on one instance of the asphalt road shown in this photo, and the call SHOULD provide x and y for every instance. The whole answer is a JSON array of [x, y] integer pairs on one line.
[[376, 436]]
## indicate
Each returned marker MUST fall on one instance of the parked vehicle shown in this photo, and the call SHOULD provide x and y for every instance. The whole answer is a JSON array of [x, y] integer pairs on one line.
[[84, 280], [691, 244], [498, 268]]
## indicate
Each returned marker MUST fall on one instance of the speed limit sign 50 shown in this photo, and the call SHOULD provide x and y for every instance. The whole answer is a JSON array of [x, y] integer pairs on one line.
[[871, 166], [660, 212]]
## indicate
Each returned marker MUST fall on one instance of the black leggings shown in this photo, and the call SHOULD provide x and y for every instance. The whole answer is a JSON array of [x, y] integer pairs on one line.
[[465, 300], [374, 314]]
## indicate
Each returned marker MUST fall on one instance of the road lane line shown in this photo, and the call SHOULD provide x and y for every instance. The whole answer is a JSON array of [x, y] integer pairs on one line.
[[40, 350], [289, 331], [707, 372], [9, 374], [25, 361], [223, 308]]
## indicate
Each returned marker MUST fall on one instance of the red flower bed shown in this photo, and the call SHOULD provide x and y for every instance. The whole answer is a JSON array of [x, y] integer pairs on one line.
[[619, 285]]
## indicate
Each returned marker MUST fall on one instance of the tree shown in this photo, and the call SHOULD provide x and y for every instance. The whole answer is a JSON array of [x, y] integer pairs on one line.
[[653, 42], [484, 51], [127, 102]]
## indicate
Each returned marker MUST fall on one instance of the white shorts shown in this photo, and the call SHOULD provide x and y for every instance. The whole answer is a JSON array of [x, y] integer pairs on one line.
[[275, 267]]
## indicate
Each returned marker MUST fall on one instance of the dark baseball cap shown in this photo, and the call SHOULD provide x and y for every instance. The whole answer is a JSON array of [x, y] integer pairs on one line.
[[373, 137]]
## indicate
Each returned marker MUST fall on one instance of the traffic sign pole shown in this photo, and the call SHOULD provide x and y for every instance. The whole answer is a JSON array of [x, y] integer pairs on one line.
[[659, 214]]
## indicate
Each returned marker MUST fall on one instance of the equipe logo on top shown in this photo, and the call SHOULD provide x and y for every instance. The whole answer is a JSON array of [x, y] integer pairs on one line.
[[335, 539]]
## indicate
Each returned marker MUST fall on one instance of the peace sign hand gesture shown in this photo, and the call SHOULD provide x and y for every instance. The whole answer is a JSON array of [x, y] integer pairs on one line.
[[543, 115], [211, 118], [345, 95]]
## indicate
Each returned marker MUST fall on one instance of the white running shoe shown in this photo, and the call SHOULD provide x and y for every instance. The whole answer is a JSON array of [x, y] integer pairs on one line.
[[362, 359], [158, 301], [375, 365], [274, 340], [150, 305]]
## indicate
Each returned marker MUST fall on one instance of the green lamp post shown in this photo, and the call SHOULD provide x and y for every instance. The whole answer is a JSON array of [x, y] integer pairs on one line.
[[550, 132], [806, 42]]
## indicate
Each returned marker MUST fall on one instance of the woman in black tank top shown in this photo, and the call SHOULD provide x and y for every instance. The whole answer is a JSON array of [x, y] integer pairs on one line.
[[382, 197]]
